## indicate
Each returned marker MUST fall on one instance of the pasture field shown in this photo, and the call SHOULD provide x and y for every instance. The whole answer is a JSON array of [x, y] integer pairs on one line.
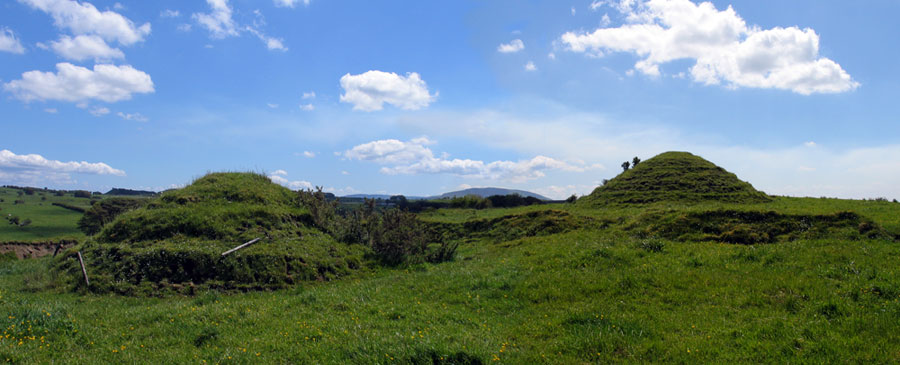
[[47, 220], [586, 285]]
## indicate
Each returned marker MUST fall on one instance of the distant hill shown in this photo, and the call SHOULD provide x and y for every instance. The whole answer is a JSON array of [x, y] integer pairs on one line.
[[379, 196], [129, 192], [675, 177], [486, 192]]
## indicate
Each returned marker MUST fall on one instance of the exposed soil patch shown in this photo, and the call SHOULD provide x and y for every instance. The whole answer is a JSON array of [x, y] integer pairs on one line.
[[28, 250]]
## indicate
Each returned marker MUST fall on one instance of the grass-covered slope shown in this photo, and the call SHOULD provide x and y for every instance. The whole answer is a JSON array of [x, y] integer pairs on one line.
[[675, 177], [176, 240]]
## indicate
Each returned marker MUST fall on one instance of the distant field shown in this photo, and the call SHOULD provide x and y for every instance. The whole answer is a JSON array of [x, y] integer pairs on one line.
[[47, 221]]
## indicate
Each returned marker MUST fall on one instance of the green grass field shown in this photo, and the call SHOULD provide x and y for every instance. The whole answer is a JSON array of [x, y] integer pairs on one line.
[[47, 221], [596, 294]]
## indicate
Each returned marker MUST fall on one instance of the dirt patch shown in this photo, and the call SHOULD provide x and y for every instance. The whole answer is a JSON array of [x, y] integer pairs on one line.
[[28, 250]]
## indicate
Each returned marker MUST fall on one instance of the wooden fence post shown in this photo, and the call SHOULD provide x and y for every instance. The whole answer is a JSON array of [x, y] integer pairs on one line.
[[83, 270]]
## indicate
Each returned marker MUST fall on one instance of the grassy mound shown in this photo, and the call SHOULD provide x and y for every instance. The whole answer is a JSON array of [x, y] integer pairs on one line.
[[176, 240], [675, 177]]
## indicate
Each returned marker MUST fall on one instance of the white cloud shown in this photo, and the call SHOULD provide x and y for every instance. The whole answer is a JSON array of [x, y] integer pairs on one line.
[[137, 117], [307, 107], [369, 91], [725, 49], [221, 24], [272, 106], [99, 112], [810, 144], [279, 172], [82, 18], [413, 157], [561, 192], [218, 21], [273, 44], [51, 110], [573, 10], [345, 173], [290, 3], [169, 13], [12, 163], [118, 6], [309, 95], [530, 66], [309, 154], [513, 46], [108, 83], [9, 42], [85, 47], [293, 185]]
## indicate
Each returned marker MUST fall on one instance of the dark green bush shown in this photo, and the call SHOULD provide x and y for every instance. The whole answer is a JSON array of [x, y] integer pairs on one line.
[[105, 211], [82, 194]]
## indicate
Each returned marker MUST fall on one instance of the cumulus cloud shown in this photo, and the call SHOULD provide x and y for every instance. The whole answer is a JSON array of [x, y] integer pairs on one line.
[[278, 177], [309, 154], [309, 95], [82, 18], [307, 107], [369, 91], [9, 42], [513, 46], [530, 66], [413, 157], [85, 47], [290, 3], [107, 83], [32, 164], [725, 49]]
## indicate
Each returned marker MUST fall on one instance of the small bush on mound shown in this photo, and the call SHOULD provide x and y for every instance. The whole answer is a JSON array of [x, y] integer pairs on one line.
[[753, 227]]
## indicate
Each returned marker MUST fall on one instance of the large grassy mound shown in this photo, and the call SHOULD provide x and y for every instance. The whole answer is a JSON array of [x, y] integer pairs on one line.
[[675, 177], [176, 240]]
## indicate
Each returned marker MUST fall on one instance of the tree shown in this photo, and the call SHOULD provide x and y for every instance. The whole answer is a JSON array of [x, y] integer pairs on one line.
[[635, 161], [572, 199], [625, 166]]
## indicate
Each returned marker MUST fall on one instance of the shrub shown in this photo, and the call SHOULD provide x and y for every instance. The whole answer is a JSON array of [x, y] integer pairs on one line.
[[60, 193], [572, 199], [29, 191], [105, 211], [82, 194]]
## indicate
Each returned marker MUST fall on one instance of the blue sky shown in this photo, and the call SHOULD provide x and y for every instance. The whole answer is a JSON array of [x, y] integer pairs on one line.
[[420, 98]]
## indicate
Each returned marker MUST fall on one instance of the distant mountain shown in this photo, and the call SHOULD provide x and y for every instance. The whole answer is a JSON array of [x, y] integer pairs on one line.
[[129, 192], [486, 192]]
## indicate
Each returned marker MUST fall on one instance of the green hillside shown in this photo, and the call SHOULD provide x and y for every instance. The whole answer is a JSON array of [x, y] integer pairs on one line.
[[46, 220], [675, 177]]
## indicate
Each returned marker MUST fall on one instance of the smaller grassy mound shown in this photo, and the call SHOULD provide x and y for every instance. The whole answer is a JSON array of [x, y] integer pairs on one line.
[[176, 241], [751, 227], [675, 177]]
